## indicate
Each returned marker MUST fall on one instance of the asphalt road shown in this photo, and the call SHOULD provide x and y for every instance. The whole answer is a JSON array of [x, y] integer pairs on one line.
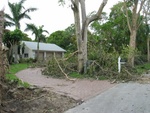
[[123, 98]]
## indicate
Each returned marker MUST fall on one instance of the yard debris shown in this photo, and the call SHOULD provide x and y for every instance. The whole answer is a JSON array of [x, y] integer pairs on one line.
[[37, 100], [63, 70]]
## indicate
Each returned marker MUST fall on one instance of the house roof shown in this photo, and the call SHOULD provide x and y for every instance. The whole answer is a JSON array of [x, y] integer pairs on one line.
[[43, 46]]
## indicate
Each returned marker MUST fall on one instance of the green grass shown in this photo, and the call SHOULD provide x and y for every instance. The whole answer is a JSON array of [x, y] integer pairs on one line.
[[143, 68], [14, 68], [80, 76], [76, 75]]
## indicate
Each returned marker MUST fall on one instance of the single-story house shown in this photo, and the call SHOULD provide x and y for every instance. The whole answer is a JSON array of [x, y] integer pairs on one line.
[[46, 50]]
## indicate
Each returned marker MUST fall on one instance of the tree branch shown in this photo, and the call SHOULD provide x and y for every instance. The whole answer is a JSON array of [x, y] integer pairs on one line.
[[138, 14], [62, 69], [127, 15], [72, 54], [74, 6], [98, 14], [142, 3]]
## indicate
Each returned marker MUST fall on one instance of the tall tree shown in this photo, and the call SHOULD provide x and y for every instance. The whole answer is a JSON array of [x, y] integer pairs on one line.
[[81, 28], [60, 38], [133, 24], [18, 13], [64, 38], [146, 14], [113, 32], [38, 32]]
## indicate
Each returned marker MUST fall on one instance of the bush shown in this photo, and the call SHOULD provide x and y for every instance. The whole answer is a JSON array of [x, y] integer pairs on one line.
[[29, 60]]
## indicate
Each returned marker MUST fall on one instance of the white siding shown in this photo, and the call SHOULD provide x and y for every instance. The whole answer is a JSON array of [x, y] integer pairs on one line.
[[31, 54]]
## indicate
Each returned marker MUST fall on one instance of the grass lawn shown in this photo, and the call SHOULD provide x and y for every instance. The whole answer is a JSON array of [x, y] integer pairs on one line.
[[143, 68], [14, 68]]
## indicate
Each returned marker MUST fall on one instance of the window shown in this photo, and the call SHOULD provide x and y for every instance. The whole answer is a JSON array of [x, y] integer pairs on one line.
[[26, 55]]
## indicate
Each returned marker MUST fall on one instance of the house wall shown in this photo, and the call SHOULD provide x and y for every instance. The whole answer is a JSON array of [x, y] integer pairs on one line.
[[58, 54], [43, 55], [49, 55], [28, 53]]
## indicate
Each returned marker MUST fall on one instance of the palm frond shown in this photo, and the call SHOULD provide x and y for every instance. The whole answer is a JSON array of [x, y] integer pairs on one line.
[[27, 16], [31, 27], [30, 10], [7, 16], [24, 15], [21, 2], [46, 31], [18, 13], [8, 24]]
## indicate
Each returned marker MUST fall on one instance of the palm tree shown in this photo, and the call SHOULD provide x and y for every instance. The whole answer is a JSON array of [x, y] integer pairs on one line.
[[18, 13], [38, 32]]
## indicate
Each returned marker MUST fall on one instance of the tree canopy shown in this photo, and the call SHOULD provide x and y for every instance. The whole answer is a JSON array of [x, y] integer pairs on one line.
[[64, 38]]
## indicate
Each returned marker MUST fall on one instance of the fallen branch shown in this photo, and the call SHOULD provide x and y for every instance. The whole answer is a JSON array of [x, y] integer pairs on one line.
[[98, 65], [128, 72], [71, 55], [62, 69]]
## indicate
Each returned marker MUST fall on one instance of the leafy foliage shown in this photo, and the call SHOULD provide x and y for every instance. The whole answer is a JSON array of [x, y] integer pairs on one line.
[[26, 38], [13, 37], [114, 33], [65, 39], [60, 38]]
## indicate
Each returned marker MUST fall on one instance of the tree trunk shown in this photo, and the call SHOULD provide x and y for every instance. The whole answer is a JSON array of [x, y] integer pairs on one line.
[[85, 59], [82, 29], [133, 25], [132, 48], [37, 57], [16, 53], [76, 10], [2, 71], [148, 49], [10, 55]]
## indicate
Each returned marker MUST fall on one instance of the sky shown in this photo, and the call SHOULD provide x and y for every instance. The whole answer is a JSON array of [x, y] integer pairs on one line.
[[51, 15]]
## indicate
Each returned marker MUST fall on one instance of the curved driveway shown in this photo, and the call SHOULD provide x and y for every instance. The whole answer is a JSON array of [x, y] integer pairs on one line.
[[80, 89]]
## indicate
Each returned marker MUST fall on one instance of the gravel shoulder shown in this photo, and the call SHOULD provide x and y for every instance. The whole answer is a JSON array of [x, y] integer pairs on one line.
[[79, 90]]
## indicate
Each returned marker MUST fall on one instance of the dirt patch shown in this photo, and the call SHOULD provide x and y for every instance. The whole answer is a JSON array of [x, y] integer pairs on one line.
[[34, 100], [48, 95], [144, 79]]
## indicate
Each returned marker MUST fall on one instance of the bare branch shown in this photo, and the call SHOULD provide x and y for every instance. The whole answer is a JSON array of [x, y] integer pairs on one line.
[[74, 6], [63, 70], [142, 3], [138, 14], [98, 14], [127, 15], [72, 54]]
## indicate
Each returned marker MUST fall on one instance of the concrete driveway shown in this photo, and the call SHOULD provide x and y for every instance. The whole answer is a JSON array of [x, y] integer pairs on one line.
[[123, 98]]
